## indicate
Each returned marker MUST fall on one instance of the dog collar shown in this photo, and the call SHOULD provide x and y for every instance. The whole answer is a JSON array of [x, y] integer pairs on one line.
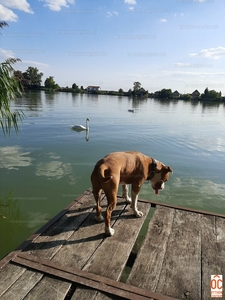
[[153, 170]]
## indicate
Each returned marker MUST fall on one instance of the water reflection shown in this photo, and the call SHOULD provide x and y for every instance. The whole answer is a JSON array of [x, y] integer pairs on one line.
[[48, 165], [80, 131], [53, 168], [13, 157]]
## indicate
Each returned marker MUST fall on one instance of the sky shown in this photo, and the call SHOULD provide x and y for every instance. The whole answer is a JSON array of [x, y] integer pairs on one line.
[[177, 44]]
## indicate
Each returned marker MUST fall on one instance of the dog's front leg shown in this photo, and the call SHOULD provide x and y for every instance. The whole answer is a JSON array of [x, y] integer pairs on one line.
[[125, 193], [134, 198]]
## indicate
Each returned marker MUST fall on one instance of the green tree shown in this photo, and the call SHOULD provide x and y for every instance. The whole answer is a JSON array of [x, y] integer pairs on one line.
[[185, 97], [20, 78], [211, 95], [137, 86], [33, 77], [50, 82], [75, 88], [10, 89], [206, 92], [165, 93]]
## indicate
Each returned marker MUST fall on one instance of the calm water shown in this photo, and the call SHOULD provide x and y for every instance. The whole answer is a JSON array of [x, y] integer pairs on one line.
[[48, 165]]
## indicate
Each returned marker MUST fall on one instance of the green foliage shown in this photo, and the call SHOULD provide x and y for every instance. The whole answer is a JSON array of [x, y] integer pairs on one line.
[[33, 77], [186, 97], [20, 78], [10, 89], [50, 82], [75, 88], [165, 93], [137, 86], [211, 95], [2, 24]]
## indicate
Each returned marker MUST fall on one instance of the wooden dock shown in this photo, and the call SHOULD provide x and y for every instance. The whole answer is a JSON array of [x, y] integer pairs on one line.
[[71, 258]]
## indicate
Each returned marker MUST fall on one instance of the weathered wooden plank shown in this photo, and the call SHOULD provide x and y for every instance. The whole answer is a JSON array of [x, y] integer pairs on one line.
[[181, 270], [50, 289], [87, 279], [8, 275], [188, 209], [84, 241], [81, 200], [74, 251], [81, 245], [169, 261], [146, 270], [213, 251], [110, 258], [51, 240], [22, 286]]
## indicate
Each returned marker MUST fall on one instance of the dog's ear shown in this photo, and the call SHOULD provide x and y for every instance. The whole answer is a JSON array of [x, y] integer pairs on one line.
[[169, 169]]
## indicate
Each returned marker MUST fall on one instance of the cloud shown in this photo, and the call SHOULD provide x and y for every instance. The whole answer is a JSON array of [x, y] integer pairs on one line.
[[53, 169], [6, 6], [7, 14], [113, 13], [17, 4], [13, 157], [56, 5], [132, 2], [193, 66], [4, 54], [192, 73], [163, 20], [31, 62], [211, 53]]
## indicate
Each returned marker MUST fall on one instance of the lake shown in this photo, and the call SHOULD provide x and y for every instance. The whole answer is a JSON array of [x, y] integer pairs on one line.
[[48, 165]]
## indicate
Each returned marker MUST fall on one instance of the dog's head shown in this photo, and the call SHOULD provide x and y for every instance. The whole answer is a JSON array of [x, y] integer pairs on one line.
[[159, 173]]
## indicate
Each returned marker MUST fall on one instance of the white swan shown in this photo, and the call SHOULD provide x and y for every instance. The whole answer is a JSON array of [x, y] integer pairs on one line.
[[81, 127]]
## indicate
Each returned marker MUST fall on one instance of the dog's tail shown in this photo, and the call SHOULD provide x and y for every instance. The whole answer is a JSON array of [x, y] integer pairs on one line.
[[104, 178]]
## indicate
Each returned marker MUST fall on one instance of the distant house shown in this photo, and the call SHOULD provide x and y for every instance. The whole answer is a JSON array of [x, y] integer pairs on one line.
[[93, 88], [175, 94], [195, 94]]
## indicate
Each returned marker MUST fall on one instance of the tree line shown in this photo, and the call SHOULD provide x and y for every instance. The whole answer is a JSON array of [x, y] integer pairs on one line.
[[32, 79]]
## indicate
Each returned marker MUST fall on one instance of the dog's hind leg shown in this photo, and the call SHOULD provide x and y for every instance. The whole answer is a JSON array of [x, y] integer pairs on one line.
[[98, 216], [112, 200], [125, 193]]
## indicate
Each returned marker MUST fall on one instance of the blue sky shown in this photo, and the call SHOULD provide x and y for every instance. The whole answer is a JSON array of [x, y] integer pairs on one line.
[[177, 44]]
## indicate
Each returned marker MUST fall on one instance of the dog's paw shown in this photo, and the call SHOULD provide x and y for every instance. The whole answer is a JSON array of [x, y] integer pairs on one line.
[[99, 218], [138, 214], [109, 231], [128, 200]]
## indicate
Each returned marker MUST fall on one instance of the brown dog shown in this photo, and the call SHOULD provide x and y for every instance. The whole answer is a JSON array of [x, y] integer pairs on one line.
[[125, 168]]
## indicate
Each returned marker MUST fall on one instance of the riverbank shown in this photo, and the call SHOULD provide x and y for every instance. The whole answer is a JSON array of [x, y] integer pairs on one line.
[[143, 94]]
